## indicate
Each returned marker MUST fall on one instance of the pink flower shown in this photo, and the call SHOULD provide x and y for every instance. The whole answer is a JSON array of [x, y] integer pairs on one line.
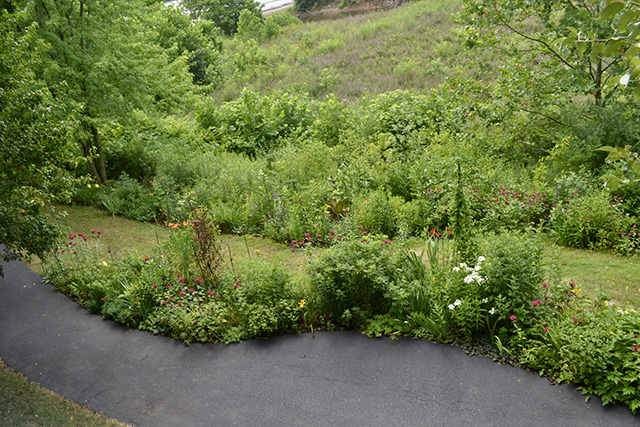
[[545, 329], [181, 293], [545, 285], [155, 286], [195, 321], [575, 319], [536, 302], [572, 285], [635, 348], [512, 317]]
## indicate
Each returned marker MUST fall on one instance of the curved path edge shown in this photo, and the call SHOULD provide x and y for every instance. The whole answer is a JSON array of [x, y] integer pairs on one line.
[[330, 379]]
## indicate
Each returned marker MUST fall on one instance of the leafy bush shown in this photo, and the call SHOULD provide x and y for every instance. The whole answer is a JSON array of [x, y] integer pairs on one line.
[[129, 198], [588, 344], [514, 273], [593, 221], [256, 124], [378, 213], [352, 279]]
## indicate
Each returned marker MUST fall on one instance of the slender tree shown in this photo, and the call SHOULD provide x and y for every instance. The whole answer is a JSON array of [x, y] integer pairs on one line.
[[37, 153], [109, 63]]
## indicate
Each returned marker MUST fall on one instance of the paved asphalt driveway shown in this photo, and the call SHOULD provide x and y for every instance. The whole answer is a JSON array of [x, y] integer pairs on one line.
[[332, 379]]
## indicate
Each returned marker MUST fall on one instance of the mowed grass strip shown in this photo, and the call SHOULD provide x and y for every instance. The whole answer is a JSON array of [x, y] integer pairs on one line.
[[23, 403]]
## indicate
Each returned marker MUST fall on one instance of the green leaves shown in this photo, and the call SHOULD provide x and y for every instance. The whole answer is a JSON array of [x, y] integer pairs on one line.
[[611, 10], [35, 145], [628, 171]]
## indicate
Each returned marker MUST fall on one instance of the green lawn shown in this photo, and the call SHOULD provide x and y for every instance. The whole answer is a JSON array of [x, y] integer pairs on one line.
[[23, 402], [600, 273], [596, 273]]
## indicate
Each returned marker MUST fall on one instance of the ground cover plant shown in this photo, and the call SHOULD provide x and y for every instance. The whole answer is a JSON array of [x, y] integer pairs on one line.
[[489, 153]]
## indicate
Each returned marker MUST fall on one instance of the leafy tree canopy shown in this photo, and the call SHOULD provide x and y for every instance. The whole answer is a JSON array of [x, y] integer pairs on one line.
[[594, 40], [223, 13], [110, 62], [36, 148]]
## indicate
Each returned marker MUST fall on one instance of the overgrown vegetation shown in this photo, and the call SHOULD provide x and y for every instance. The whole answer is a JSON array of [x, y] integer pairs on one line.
[[355, 136]]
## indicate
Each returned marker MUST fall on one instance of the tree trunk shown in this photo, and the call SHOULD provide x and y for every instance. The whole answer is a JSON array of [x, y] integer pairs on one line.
[[100, 159], [86, 150], [597, 81]]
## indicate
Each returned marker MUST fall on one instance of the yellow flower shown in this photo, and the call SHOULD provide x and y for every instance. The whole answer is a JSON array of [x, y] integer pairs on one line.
[[302, 303], [96, 185], [89, 185], [576, 291], [105, 263]]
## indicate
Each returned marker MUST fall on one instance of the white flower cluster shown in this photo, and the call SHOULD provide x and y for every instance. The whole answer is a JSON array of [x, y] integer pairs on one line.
[[474, 275], [455, 304]]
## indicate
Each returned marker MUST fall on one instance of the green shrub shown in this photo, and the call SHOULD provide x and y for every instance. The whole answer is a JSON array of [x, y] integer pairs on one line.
[[352, 279], [129, 198], [256, 124], [590, 345], [593, 221], [378, 213]]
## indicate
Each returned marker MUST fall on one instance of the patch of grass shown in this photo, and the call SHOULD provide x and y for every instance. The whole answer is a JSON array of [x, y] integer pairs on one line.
[[23, 402], [596, 273], [411, 47], [121, 235], [602, 274]]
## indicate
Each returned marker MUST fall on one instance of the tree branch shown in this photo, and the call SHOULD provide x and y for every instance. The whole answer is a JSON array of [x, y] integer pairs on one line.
[[542, 42], [556, 121]]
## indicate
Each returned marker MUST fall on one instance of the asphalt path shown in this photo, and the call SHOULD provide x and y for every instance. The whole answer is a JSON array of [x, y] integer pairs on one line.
[[330, 379]]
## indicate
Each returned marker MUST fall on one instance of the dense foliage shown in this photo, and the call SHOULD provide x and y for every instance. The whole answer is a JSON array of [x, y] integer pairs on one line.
[[482, 139], [35, 147]]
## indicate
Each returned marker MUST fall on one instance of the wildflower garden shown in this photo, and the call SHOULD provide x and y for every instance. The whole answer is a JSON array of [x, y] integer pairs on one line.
[[427, 199]]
